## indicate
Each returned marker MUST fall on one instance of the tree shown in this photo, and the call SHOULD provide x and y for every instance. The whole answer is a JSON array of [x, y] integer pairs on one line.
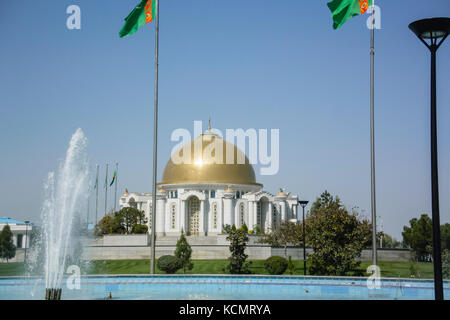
[[324, 200], [108, 225], [418, 236], [238, 241], [7, 247], [284, 234], [388, 241], [445, 236], [183, 253], [446, 264], [127, 220], [128, 217], [336, 236]]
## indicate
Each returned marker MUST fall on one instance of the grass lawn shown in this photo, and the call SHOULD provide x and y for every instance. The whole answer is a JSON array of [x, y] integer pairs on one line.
[[388, 268]]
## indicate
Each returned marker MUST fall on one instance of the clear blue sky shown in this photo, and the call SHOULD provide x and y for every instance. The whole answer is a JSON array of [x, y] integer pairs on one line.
[[247, 64]]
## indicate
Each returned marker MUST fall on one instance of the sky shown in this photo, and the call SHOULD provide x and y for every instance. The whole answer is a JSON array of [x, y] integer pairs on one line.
[[246, 64]]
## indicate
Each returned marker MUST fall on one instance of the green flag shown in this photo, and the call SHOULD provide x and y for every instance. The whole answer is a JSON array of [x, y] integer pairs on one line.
[[113, 178], [342, 10], [142, 14]]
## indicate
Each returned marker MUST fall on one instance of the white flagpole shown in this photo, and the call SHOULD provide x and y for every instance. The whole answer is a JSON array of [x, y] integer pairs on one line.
[[155, 143], [372, 139], [115, 187]]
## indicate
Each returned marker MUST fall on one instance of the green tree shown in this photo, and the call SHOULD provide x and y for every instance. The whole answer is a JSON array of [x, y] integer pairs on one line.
[[7, 247], [446, 264], [418, 236], [389, 241], [282, 235], [183, 253], [324, 200], [129, 217], [336, 236], [238, 241], [445, 236], [108, 225]]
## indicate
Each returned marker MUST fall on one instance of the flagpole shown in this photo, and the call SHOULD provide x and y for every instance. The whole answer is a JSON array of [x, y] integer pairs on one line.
[[106, 190], [372, 138], [88, 200], [96, 195], [115, 187], [155, 142]]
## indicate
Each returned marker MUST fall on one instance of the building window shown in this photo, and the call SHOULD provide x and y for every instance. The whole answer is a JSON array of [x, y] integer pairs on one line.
[[258, 214], [212, 194], [150, 213], [215, 216], [274, 216], [173, 210], [241, 214], [132, 203], [19, 240]]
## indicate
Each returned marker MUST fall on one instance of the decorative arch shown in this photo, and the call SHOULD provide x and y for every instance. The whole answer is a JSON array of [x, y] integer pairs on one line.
[[186, 195], [193, 205]]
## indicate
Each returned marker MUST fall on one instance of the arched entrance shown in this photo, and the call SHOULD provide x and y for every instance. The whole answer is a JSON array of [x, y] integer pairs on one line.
[[261, 213], [193, 216]]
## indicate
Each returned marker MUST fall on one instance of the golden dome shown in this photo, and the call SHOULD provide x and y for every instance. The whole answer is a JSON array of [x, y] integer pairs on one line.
[[204, 169]]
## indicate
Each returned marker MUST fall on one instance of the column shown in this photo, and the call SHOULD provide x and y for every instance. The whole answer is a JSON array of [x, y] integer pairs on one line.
[[160, 216], [183, 219], [202, 218], [228, 210], [250, 215], [283, 210], [268, 222]]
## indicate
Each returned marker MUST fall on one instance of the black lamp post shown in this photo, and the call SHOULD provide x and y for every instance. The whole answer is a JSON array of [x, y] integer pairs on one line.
[[303, 203], [26, 240], [432, 32]]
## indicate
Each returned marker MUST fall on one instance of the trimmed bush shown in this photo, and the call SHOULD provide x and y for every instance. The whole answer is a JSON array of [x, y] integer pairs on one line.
[[169, 264], [276, 265], [140, 228]]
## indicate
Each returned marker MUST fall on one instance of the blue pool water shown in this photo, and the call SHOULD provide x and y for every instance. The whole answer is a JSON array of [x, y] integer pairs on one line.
[[219, 287]]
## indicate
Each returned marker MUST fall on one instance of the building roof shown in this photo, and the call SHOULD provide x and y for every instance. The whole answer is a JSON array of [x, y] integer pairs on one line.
[[7, 220]]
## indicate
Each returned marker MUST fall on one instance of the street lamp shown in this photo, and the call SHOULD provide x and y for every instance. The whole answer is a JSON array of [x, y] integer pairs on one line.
[[26, 240], [303, 203], [432, 32]]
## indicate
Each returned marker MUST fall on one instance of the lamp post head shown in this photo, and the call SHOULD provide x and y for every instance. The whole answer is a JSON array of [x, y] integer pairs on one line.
[[432, 29], [303, 203]]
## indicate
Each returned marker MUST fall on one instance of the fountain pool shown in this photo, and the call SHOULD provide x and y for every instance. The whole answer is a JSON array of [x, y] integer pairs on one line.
[[224, 287]]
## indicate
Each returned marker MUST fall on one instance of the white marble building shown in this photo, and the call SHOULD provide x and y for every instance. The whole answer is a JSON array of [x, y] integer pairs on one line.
[[20, 230], [203, 196]]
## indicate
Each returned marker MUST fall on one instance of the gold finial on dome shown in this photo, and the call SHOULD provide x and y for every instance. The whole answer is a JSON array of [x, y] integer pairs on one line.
[[282, 193], [126, 193]]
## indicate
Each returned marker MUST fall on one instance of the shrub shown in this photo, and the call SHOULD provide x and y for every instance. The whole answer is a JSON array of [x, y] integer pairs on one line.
[[276, 265], [183, 253], [244, 228], [291, 266], [140, 228], [169, 264]]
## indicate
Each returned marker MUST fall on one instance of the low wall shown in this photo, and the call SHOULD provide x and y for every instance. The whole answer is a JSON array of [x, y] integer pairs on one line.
[[119, 240], [208, 248]]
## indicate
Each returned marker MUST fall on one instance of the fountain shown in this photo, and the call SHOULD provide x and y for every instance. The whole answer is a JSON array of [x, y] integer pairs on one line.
[[64, 194]]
